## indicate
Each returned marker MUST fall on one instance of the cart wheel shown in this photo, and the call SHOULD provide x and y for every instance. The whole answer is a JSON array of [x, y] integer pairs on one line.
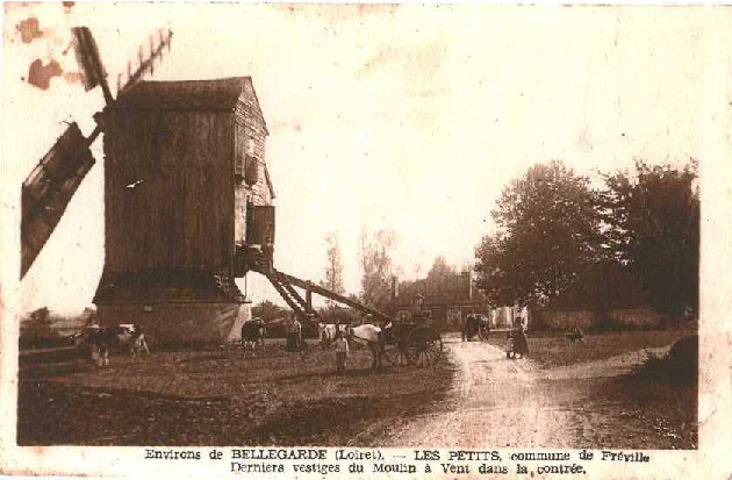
[[424, 346], [396, 355]]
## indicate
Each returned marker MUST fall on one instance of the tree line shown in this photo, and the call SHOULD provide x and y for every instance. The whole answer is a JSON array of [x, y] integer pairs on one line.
[[552, 224]]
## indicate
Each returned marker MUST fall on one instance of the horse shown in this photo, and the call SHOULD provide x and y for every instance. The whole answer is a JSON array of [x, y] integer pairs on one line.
[[372, 336], [327, 332], [484, 325], [471, 327]]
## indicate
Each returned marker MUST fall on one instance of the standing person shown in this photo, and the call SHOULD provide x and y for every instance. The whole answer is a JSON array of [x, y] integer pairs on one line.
[[521, 343], [341, 347], [511, 344], [140, 345], [297, 335]]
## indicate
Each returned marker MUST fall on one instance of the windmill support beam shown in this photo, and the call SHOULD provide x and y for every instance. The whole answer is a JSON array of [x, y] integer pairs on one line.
[[284, 282], [309, 298]]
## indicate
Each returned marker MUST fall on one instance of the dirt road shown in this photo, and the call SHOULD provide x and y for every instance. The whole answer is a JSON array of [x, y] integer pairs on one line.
[[497, 402]]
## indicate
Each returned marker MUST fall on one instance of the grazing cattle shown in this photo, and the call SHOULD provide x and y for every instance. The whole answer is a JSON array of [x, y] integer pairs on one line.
[[95, 343], [253, 333], [372, 336]]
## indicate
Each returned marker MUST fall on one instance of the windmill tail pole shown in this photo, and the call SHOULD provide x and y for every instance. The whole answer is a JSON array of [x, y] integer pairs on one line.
[[324, 292]]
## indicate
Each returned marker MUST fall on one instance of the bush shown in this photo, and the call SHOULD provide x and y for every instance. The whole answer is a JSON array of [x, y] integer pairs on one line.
[[680, 366], [684, 358]]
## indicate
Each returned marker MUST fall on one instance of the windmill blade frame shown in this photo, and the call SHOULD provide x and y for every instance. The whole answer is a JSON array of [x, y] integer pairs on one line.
[[48, 190]]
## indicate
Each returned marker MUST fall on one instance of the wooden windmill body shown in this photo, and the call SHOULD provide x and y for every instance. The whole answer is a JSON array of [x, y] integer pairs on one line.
[[185, 174]]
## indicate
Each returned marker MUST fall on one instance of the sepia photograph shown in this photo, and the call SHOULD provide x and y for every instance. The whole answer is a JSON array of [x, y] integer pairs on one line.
[[362, 226]]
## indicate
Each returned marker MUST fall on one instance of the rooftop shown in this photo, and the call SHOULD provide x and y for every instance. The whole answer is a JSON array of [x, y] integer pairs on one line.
[[448, 289], [212, 95]]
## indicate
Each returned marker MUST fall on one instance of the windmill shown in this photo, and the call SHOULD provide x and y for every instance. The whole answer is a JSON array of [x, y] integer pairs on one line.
[[48, 189], [188, 201]]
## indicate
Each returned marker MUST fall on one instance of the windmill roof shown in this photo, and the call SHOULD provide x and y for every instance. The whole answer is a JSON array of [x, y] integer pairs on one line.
[[215, 94]]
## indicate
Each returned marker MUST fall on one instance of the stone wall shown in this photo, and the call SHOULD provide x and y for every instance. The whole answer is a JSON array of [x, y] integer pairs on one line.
[[587, 319]]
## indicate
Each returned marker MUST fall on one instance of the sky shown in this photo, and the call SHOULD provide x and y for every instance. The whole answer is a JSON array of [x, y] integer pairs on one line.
[[410, 118]]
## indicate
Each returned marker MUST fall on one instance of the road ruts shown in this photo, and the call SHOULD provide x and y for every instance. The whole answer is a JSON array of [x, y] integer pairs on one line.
[[497, 402]]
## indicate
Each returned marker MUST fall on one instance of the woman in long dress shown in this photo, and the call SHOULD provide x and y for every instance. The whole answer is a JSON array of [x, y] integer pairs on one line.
[[520, 342]]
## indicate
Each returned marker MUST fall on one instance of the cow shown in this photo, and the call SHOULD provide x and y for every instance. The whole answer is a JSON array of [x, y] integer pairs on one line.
[[95, 343], [252, 334]]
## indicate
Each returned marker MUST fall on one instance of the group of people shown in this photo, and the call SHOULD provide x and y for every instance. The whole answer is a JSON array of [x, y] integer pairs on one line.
[[518, 344], [294, 341]]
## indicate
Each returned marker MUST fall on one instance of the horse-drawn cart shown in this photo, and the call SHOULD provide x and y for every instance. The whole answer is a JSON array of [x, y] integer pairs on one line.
[[412, 342], [405, 342], [476, 325]]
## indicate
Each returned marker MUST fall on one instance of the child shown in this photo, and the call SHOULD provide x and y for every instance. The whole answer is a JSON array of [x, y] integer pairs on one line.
[[511, 346], [341, 347]]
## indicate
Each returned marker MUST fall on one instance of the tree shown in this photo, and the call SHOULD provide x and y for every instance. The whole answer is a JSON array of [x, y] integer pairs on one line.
[[268, 311], [548, 230], [339, 314], [653, 227], [443, 283], [333, 280], [440, 268], [376, 268]]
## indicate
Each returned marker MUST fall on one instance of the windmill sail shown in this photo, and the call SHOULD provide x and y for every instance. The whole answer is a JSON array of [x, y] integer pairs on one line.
[[48, 190], [87, 55]]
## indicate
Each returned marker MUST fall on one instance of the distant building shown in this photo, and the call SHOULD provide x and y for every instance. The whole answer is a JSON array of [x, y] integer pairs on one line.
[[606, 294], [445, 299]]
